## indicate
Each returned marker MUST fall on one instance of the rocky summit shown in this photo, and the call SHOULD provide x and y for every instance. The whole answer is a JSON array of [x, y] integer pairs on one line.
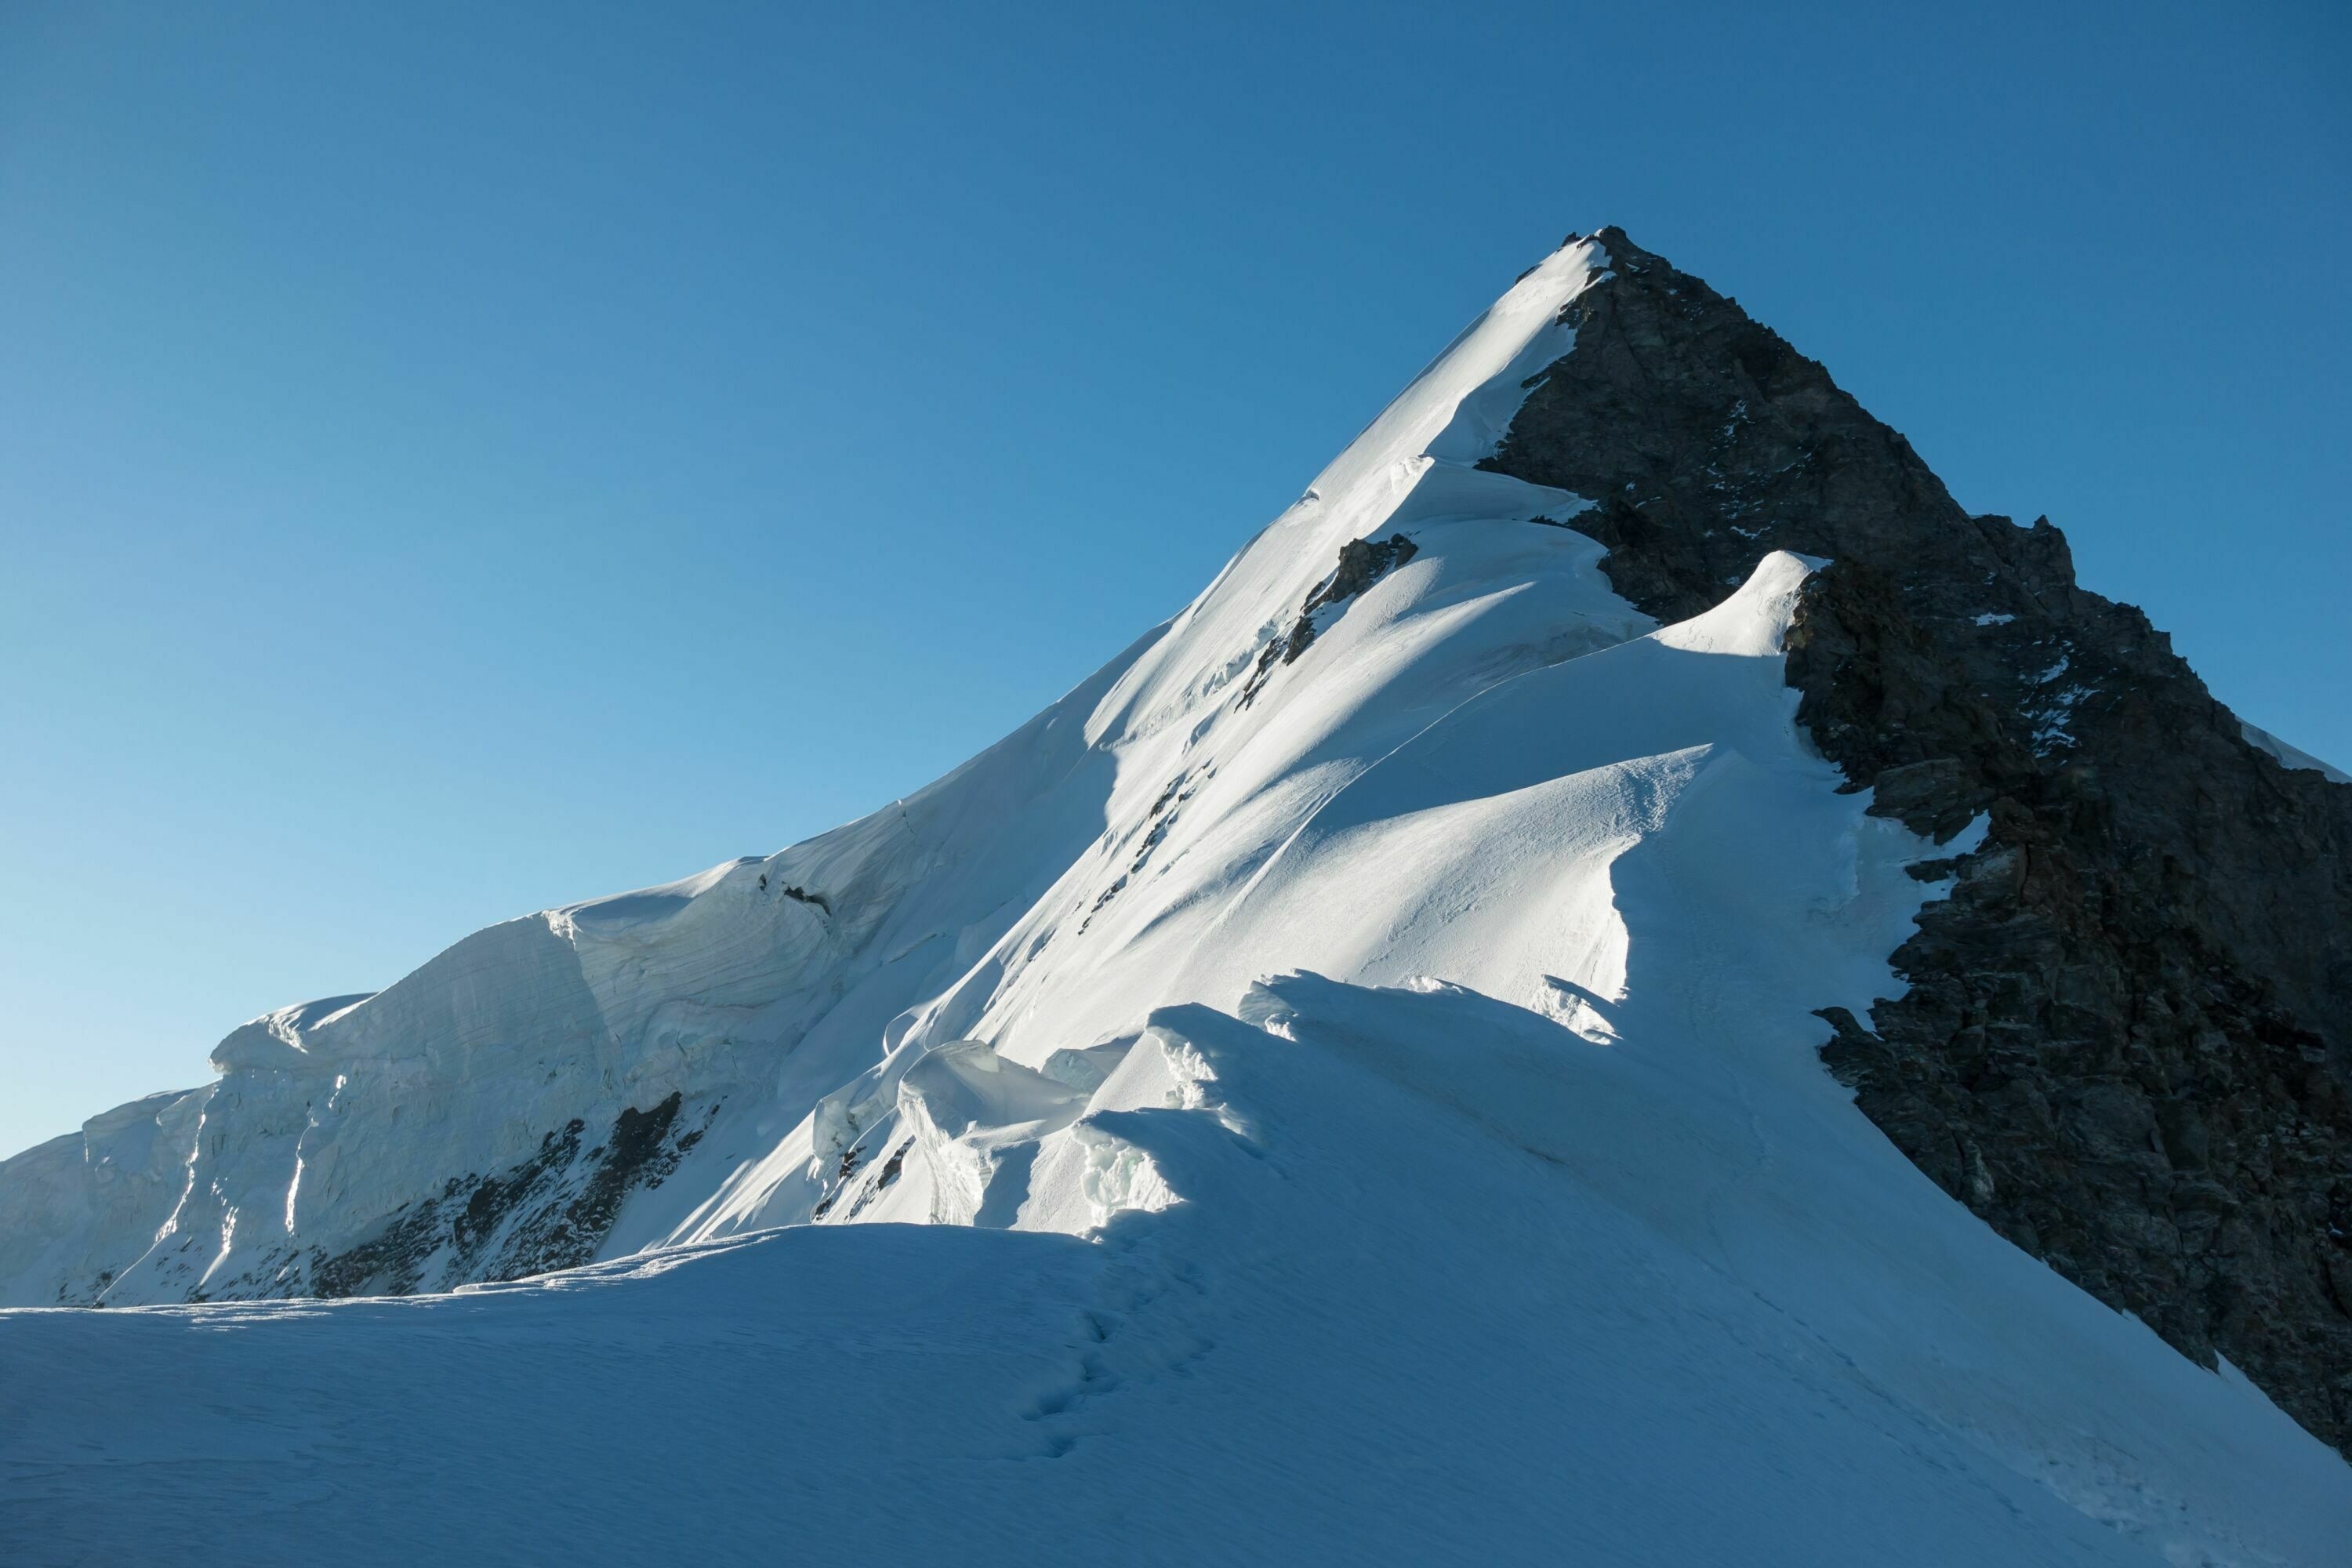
[[2128, 1040]]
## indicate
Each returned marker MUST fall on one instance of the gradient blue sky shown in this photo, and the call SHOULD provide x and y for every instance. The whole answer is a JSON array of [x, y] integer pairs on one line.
[[459, 459]]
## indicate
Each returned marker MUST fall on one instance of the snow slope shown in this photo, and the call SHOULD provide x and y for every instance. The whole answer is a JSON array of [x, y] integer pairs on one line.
[[2291, 756], [1347, 1077]]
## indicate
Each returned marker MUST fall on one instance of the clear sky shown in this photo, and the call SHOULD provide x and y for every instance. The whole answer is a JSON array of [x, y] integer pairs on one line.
[[460, 459]]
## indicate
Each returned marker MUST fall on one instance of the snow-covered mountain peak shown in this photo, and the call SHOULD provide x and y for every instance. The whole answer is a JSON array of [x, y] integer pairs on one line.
[[1387, 997], [1414, 464]]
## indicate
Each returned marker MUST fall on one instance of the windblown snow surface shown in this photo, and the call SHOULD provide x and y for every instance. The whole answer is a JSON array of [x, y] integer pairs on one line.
[[1357, 1109], [2292, 756]]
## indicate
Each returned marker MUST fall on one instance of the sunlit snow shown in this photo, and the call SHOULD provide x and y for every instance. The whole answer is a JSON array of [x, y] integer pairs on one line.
[[1377, 1123]]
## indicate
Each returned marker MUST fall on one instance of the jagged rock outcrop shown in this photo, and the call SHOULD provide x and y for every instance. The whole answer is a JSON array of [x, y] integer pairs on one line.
[[1362, 562], [2127, 1043], [549, 1212]]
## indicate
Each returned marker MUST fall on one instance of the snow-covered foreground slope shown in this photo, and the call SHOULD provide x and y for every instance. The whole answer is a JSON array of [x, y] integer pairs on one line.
[[1350, 1070], [1417, 1306]]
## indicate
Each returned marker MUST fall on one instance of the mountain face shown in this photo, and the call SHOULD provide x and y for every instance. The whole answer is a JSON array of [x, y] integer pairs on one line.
[[1568, 997], [2128, 1040]]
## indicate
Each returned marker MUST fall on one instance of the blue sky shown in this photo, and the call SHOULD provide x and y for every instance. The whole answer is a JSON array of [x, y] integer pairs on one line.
[[453, 463]]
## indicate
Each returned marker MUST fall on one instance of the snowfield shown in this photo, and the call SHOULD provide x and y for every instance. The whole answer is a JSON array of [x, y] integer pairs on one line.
[[1338, 1086]]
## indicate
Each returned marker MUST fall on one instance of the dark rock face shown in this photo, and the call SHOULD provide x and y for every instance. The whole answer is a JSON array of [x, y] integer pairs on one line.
[[2127, 1043], [551, 1211], [1362, 562]]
